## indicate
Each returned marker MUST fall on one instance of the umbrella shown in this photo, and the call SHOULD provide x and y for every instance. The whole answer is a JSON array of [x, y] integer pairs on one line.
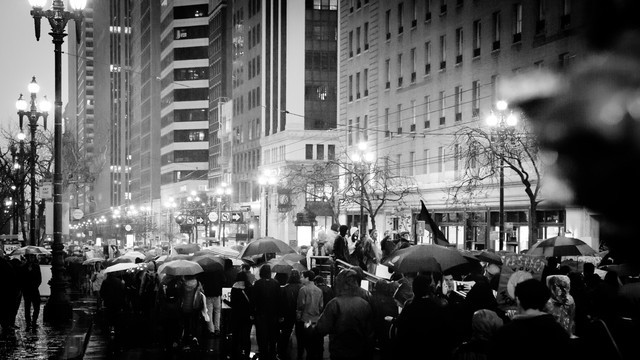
[[189, 248], [209, 262], [161, 258], [92, 261], [489, 257], [428, 257], [178, 257], [120, 267], [37, 250], [122, 260], [295, 257], [180, 268], [285, 266], [134, 255], [219, 250], [561, 246], [265, 245]]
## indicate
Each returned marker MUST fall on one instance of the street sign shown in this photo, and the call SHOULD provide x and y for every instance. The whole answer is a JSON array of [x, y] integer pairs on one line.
[[199, 220], [77, 214], [224, 217], [236, 217], [191, 220], [46, 190], [213, 216]]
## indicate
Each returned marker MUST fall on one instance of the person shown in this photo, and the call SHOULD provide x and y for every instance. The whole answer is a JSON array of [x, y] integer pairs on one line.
[[267, 312], [30, 278], [448, 290], [348, 320], [332, 233], [340, 246], [383, 306], [289, 304], [551, 268], [531, 321], [169, 305], [370, 256], [247, 269], [327, 291], [591, 279], [424, 308], [309, 308], [479, 297], [17, 263], [404, 241], [10, 291], [484, 324], [112, 292], [387, 246], [192, 304], [355, 247], [96, 283], [402, 285], [561, 304], [212, 282], [242, 315], [230, 273]]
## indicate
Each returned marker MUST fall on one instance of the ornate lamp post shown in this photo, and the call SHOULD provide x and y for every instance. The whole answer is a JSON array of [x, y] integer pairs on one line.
[[58, 307], [267, 180], [222, 191], [503, 120], [18, 187], [362, 158], [32, 112]]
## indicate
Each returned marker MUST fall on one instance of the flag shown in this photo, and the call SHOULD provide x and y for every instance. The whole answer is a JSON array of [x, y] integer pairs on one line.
[[439, 237]]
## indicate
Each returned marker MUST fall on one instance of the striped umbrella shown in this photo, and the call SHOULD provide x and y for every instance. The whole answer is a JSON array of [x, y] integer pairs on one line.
[[561, 246]]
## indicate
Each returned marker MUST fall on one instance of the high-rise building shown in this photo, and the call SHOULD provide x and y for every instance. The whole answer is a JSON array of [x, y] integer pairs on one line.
[[412, 72], [184, 113]]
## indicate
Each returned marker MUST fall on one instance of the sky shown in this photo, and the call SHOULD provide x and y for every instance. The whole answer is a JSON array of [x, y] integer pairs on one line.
[[23, 57]]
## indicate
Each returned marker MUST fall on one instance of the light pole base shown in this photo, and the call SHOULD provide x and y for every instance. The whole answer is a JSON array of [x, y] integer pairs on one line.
[[58, 309]]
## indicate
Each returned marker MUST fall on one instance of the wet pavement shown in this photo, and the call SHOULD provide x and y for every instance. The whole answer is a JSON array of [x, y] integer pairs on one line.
[[46, 341]]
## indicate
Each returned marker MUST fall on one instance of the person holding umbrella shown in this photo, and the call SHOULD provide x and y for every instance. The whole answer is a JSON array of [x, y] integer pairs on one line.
[[212, 282], [112, 292], [267, 309], [31, 277]]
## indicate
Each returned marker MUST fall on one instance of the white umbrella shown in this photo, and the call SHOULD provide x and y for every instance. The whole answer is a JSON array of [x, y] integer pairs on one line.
[[134, 255], [120, 267]]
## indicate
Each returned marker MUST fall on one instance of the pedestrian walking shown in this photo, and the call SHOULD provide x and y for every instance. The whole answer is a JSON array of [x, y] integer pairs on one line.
[[242, 315], [10, 289], [309, 308], [31, 279], [169, 305], [112, 292], [212, 282], [561, 304], [327, 291], [289, 304], [192, 304], [97, 278], [485, 323], [340, 245], [267, 313]]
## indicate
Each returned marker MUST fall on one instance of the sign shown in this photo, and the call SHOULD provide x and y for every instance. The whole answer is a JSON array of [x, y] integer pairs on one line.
[[191, 220], [46, 190], [236, 217], [77, 214], [199, 220], [213, 216], [420, 227], [127, 227], [226, 297], [515, 269], [8, 248], [225, 216]]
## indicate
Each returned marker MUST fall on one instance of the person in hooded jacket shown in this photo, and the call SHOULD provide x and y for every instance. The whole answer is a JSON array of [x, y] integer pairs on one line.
[[242, 315]]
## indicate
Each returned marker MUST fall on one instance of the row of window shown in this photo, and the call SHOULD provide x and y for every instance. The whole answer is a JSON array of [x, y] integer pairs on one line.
[[255, 36], [254, 67], [182, 175], [365, 85], [253, 132], [188, 135], [357, 132], [365, 40], [320, 60], [254, 7], [246, 161], [254, 98], [182, 115], [316, 152], [184, 156], [238, 105]]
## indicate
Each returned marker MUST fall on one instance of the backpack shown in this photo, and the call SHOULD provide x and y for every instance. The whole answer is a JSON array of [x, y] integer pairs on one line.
[[172, 292], [149, 284]]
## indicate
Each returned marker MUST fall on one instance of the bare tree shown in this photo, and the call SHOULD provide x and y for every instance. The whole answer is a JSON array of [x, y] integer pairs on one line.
[[483, 151], [344, 183]]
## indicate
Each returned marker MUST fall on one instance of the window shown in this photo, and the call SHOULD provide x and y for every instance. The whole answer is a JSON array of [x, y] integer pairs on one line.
[[443, 106], [398, 162], [440, 159], [320, 152], [412, 61], [350, 87], [365, 126], [386, 122], [387, 24], [331, 152], [443, 7], [427, 58], [414, 14], [427, 10], [517, 23], [475, 102], [541, 14], [308, 152], [350, 43], [357, 130], [425, 160], [400, 17], [494, 89], [358, 40], [399, 119], [458, 102], [427, 112], [459, 45], [565, 18], [456, 156], [496, 30], [477, 36], [357, 85], [399, 70], [413, 116], [412, 156], [443, 51], [387, 72], [366, 36], [564, 60], [365, 82], [350, 133]]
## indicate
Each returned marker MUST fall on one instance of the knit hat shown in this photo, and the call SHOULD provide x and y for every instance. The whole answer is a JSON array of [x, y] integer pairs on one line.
[[484, 324]]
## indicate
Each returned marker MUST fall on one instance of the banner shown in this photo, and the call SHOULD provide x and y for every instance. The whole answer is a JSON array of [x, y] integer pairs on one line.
[[515, 269]]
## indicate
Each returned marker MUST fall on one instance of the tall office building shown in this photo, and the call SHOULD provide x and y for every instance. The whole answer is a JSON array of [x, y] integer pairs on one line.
[[184, 112], [412, 72], [145, 124]]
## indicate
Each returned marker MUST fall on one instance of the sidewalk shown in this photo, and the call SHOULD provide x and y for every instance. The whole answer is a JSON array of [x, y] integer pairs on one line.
[[48, 342]]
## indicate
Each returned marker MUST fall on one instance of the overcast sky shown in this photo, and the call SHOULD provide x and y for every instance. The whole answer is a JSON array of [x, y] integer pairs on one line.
[[23, 57]]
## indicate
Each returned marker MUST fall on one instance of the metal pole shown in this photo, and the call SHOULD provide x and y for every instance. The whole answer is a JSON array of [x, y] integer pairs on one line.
[[266, 211], [501, 217], [362, 222], [32, 217]]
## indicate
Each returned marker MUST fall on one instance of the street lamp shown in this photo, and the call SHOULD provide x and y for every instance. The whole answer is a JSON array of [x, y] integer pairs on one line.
[[504, 121], [221, 191], [33, 110], [267, 179], [363, 158], [58, 307], [18, 187]]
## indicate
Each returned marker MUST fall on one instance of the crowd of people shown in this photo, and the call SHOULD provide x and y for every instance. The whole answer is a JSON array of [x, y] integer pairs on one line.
[[21, 278]]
